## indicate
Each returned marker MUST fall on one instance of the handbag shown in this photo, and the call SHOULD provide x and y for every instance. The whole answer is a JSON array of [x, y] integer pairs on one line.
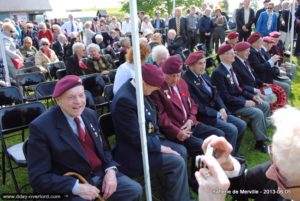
[[18, 63]]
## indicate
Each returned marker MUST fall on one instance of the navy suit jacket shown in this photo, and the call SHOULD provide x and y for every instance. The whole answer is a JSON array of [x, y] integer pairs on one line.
[[261, 66], [244, 76], [53, 150], [72, 66], [232, 97], [240, 20], [161, 23], [183, 26], [128, 142], [208, 104], [60, 53]]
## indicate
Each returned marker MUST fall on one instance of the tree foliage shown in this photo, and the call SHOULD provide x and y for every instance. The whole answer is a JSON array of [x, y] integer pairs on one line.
[[150, 6], [224, 5]]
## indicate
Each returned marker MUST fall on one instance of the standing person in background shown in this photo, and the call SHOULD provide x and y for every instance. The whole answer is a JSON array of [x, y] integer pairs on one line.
[[88, 32], [192, 22], [179, 24], [297, 15], [220, 26], [267, 21], [258, 12], [126, 26], [244, 19], [146, 24], [70, 26], [285, 24], [206, 27], [158, 23], [114, 24]]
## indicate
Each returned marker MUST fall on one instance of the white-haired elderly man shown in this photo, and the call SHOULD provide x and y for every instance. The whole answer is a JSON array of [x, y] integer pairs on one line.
[[175, 42], [159, 55], [74, 64], [277, 179], [59, 46]]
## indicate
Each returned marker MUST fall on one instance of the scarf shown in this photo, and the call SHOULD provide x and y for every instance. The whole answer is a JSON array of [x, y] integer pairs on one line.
[[47, 52]]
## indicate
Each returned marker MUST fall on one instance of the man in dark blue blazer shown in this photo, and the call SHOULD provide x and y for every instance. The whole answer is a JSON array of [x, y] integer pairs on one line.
[[165, 157], [179, 24], [67, 139], [244, 19], [211, 108], [238, 100]]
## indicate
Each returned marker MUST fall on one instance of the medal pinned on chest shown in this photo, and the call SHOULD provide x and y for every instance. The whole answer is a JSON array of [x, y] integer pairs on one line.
[[167, 94], [150, 127]]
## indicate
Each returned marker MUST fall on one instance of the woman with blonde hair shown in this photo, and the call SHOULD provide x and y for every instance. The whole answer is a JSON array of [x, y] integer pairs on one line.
[[45, 55], [126, 70], [28, 50]]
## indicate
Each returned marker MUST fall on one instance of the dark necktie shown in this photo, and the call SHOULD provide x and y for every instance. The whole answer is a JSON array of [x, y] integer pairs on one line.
[[81, 132], [72, 27], [203, 82], [235, 80]]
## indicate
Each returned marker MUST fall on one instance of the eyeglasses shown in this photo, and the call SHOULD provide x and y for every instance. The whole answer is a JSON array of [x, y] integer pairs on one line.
[[282, 180], [45, 44]]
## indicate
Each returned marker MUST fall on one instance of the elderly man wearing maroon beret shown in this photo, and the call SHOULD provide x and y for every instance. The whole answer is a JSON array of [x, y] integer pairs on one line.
[[165, 157], [232, 38], [238, 100], [67, 138], [177, 110], [211, 108]]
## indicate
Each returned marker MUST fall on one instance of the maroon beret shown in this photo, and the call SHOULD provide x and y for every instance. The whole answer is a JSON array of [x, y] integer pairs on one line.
[[152, 75], [224, 48], [241, 46], [172, 65], [268, 39], [194, 57], [275, 34], [232, 35], [66, 83], [253, 37]]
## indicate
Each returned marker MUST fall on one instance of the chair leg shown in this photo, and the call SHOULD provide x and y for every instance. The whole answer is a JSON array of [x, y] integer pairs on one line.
[[13, 176]]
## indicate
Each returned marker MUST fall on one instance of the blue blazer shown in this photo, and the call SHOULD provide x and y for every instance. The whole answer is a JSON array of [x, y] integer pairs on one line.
[[209, 104], [128, 142], [232, 97], [245, 78], [53, 150], [261, 25]]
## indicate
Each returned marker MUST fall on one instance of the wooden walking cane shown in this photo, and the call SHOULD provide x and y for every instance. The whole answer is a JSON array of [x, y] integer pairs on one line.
[[82, 180]]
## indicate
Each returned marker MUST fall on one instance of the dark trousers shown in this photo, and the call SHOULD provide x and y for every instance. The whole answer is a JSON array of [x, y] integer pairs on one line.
[[191, 39], [205, 40], [297, 49], [243, 36], [127, 190]]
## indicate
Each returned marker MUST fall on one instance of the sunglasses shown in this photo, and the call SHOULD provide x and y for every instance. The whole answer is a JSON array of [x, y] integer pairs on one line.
[[282, 180]]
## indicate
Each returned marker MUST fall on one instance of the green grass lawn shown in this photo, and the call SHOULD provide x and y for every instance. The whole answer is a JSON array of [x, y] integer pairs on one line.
[[253, 157]]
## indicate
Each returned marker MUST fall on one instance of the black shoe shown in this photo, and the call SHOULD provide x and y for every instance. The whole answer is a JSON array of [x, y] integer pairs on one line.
[[261, 147]]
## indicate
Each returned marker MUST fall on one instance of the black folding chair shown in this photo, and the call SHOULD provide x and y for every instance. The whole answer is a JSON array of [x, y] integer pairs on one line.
[[27, 82], [112, 75], [60, 73], [52, 68], [28, 70], [108, 92], [10, 96], [44, 90], [14, 119], [106, 126]]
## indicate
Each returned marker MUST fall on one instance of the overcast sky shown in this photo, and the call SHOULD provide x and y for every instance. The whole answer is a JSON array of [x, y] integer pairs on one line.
[[82, 4]]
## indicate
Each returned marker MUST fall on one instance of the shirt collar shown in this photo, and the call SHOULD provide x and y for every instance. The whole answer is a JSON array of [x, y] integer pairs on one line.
[[227, 66]]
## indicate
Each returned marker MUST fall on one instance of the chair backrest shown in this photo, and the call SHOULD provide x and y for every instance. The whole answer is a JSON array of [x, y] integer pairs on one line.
[[53, 67], [112, 75], [28, 70], [28, 64], [28, 79], [108, 92], [10, 96], [93, 83], [90, 103], [44, 90], [60, 73], [18, 117], [25, 148], [106, 126]]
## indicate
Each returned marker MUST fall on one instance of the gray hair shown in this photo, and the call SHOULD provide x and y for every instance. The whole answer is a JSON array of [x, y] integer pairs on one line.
[[99, 38], [77, 46], [91, 46], [43, 41], [42, 25], [286, 142], [159, 50]]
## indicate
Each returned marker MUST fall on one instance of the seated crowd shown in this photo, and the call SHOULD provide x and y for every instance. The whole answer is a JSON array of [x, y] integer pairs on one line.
[[187, 110]]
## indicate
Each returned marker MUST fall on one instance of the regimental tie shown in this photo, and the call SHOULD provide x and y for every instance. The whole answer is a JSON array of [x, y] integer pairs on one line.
[[249, 68], [81, 132], [72, 27], [235, 81], [178, 26], [203, 83]]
